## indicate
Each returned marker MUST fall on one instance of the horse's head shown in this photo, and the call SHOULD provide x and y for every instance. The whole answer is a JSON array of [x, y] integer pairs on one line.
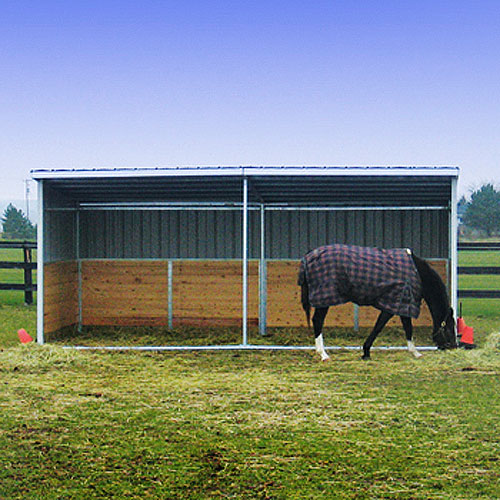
[[445, 336]]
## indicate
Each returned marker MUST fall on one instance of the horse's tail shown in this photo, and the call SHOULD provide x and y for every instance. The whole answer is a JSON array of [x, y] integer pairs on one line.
[[304, 295], [305, 302]]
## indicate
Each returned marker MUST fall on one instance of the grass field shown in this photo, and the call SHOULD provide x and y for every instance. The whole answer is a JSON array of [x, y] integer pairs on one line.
[[77, 425], [247, 425]]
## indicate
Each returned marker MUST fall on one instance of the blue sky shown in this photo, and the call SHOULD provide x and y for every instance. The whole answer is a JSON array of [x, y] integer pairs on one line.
[[141, 83]]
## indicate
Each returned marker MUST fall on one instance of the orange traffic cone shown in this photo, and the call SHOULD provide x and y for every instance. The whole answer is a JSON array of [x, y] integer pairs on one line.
[[467, 340], [24, 336]]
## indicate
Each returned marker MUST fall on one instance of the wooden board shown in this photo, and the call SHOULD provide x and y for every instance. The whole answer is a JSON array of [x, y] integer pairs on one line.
[[124, 292], [213, 290], [60, 295], [136, 292]]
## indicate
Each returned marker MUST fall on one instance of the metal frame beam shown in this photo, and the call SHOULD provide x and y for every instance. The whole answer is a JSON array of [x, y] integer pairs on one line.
[[247, 347], [40, 266], [453, 245], [238, 207], [262, 274], [244, 245]]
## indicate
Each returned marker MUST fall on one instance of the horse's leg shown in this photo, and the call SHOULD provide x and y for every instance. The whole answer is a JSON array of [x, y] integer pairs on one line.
[[382, 320], [409, 336], [318, 320]]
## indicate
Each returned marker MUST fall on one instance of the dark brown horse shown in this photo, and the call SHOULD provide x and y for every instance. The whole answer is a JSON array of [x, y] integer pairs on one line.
[[336, 274]]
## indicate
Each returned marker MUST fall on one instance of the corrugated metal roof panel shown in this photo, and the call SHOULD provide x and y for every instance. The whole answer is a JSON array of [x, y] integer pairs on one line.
[[346, 190]]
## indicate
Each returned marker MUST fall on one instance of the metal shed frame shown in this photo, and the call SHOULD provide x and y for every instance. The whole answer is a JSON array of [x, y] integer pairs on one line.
[[249, 198]]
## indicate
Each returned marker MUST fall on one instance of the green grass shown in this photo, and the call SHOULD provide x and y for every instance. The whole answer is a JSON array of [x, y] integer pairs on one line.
[[246, 425], [479, 282], [12, 318], [480, 258]]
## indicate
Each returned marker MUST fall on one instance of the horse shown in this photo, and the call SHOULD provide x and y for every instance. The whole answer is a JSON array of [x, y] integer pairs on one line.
[[393, 281]]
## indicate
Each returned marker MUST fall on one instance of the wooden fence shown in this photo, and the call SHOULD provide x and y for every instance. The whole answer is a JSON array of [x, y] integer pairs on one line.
[[491, 270], [27, 265]]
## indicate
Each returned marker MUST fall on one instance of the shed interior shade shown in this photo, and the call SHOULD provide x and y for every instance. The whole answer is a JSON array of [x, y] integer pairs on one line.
[[345, 190]]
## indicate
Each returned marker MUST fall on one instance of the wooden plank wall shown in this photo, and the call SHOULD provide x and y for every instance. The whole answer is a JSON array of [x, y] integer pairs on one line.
[[124, 292], [131, 292], [210, 292], [135, 293], [60, 295]]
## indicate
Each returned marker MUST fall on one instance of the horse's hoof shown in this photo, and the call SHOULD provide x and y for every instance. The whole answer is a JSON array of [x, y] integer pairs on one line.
[[325, 360], [366, 357]]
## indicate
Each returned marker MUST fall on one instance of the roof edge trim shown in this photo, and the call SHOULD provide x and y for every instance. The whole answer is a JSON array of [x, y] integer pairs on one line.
[[444, 171]]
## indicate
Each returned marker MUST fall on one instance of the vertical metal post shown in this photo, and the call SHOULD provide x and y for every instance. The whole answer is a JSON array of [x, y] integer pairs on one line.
[[40, 287], [79, 270], [453, 223], [170, 295], [245, 261], [262, 274]]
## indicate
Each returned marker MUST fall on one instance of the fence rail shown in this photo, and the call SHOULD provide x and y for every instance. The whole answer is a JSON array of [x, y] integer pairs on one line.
[[478, 270], [27, 265], [479, 246]]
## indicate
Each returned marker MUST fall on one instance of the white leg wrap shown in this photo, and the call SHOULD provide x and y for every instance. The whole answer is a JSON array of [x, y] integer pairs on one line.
[[320, 347], [413, 350]]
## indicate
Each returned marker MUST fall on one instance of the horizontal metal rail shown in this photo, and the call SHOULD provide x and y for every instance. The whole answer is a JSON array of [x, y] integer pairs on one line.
[[236, 347], [238, 207]]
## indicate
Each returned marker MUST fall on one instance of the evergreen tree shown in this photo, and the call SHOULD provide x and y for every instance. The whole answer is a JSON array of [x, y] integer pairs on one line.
[[483, 210], [16, 226]]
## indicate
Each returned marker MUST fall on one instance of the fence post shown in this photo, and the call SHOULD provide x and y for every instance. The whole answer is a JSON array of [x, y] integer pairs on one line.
[[28, 275]]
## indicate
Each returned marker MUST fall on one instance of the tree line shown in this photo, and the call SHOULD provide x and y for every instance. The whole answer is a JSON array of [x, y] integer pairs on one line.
[[482, 212], [16, 226]]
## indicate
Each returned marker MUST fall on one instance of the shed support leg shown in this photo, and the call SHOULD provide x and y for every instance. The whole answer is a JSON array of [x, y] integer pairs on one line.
[[262, 275]]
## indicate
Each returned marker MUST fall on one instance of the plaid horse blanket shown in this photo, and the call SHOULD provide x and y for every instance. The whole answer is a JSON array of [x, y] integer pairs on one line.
[[385, 279]]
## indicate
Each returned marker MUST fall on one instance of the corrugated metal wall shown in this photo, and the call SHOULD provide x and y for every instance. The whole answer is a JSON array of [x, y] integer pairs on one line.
[[154, 234], [207, 234], [60, 236], [291, 234]]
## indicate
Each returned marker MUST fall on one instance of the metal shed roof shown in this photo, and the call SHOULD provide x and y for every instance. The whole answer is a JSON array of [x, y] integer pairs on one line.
[[450, 171], [329, 185]]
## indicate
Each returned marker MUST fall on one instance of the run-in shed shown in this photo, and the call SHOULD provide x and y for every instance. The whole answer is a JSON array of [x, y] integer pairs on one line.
[[219, 245]]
